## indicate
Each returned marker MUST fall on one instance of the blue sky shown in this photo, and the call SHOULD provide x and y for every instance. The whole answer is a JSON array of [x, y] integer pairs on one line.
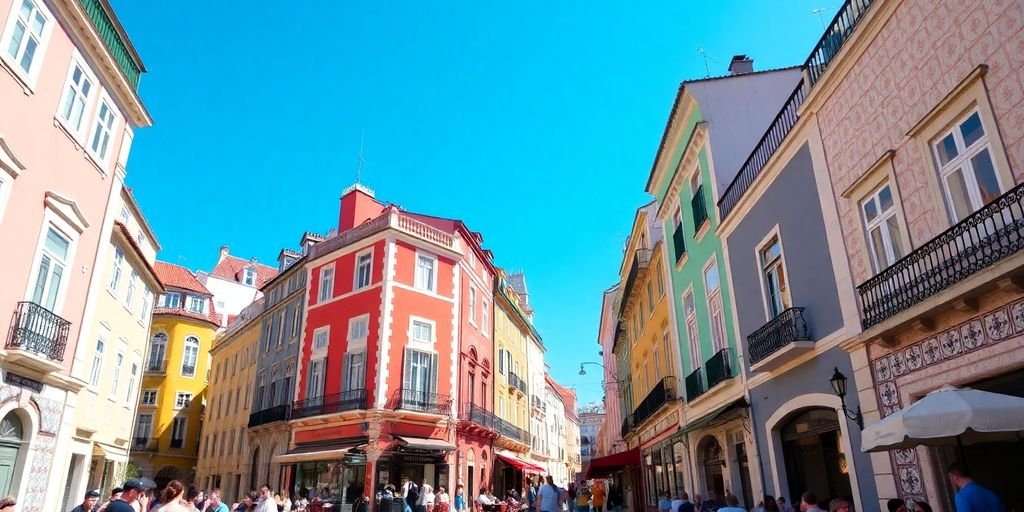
[[534, 122]]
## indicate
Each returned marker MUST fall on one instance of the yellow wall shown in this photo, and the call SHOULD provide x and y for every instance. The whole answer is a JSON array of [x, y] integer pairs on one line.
[[510, 336], [168, 384]]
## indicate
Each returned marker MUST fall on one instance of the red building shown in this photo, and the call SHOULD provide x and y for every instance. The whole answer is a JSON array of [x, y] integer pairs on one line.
[[388, 307]]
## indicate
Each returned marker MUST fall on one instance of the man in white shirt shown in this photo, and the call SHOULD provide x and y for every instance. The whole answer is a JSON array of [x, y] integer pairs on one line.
[[267, 503]]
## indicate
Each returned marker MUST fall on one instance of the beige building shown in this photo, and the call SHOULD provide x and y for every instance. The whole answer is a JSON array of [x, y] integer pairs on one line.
[[223, 452], [111, 352]]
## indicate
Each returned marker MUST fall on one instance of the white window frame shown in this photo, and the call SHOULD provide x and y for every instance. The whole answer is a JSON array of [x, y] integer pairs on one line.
[[472, 305], [349, 383], [357, 270], [12, 63], [111, 129], [117, 271], [133, 376], [184, 356], [485, 318], [325, 331], [154, 393], [170, 300], [352, 323], [52, 221], [147, 303], [421, 255], [183, 421], [692, 330], [963, 161], [881, 222], [650, 297], [148, 432], [70, 87], [249, 276], [153, 342], [326, 275], [719, 336], [115, 379], [778, 264], [129, 296], [413, 320], [315, 389], [97, 361], [194, 301], [180, 404]]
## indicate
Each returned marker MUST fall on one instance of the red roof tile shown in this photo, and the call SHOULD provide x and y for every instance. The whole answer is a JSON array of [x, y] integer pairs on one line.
[[176, 276], [230, 268]]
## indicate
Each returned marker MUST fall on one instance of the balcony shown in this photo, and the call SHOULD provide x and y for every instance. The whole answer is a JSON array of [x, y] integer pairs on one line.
[[515, 382], [679, 242], [695, 385], [177, 443], [779, 341], [511, 431], [421, 401], [627, 427], [663, 393], [140, 443], [538, 404], [698, 205], [980, 241], [276, 413], [391, 218], [188, 371], [718, 368], [38, 337], [477, 414], [115, 39], [835, 36], [156, 367], [330, 404], [641, 260]]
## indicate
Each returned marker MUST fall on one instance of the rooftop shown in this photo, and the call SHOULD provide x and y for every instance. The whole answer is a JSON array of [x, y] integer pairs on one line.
[[176, 276], [232, 268]]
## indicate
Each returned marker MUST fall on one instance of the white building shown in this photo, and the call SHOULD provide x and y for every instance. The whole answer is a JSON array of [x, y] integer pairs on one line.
[[235, 283]]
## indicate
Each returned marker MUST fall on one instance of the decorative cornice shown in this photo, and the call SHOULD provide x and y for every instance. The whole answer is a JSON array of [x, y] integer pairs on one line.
[[9, 161], [67, 209], [696, 141]]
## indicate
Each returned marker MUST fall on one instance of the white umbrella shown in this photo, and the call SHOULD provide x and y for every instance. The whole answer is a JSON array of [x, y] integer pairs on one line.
[[949, 416]]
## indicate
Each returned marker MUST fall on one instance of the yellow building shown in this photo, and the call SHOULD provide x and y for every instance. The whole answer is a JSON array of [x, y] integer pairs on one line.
[[111, 352], [172, 402], [644, 314], [223, 456], [511, 390]]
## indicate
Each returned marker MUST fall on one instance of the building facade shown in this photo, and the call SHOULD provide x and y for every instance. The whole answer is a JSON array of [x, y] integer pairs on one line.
[[610, 440], [235, 283], [224, 453], [111, 355], [172, 403], [69, 90]]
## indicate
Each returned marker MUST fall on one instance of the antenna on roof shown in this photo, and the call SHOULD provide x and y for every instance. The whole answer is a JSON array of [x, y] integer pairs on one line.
[[818, 11], [707, 67], [361, 160]]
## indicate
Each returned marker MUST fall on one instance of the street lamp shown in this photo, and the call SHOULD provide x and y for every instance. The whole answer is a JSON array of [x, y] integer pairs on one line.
[[584, 372], [838, 382]]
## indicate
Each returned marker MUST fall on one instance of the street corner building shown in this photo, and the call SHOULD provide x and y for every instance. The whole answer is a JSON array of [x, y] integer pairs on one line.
[[68, 87]]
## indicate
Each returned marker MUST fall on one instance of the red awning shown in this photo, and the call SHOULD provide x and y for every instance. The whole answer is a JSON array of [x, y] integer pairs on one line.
[[601, 467], [520, 463]]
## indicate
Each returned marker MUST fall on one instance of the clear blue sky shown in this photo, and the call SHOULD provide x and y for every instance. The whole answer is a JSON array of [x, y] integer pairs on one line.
[[534, 122]]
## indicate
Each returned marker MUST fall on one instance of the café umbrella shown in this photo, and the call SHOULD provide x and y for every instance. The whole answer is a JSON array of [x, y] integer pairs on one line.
[[949, 416]]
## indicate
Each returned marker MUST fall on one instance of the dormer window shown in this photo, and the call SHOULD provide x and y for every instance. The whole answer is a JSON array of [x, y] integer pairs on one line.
[[196, 304], [250, 277], [170, 300]]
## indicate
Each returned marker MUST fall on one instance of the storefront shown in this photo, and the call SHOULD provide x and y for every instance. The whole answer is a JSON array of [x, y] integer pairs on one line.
[[664, 469], [622, 469], [512, 472], [419, 459], [333, 473]]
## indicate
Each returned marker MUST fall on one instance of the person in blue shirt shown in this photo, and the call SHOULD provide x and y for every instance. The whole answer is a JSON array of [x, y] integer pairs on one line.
[[971, 497]]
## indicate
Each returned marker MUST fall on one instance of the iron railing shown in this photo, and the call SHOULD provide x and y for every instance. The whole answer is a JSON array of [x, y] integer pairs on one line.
[[112, 38], [477, 414], [837, 33], [188, 371], [718, 368], [641, 260], [973, 244], [538, 403], [141, 443], [763, 151], [39, 330], [270, 415], [699, 207], [627, 427], [694, 384], [157, 366], [664, 392], [511, 431], [422, 401], [329, 404], [787, 327], [177, 443], [516, 382]]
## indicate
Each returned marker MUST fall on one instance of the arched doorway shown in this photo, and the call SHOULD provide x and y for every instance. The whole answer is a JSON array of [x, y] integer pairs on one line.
[[254, 469], [813, 452], [12, 436], [166, 474], [712, 462], [470, 477]]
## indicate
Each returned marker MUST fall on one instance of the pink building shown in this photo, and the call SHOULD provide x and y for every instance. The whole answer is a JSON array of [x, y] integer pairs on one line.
[[68, 78], [609, 438]]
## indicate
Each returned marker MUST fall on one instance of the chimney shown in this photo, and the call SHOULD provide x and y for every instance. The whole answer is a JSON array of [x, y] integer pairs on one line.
[[224, 250], [741, 65], [357, 206]]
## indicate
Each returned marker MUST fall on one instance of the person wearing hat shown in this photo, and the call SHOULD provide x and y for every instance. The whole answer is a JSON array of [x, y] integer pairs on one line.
[[89, 503], [133, 489]]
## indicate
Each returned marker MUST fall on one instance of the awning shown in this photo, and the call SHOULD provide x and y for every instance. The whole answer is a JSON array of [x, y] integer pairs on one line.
[[312, 453], [518, 463], [423, 443], [601, 467], [714, 415], [109, 453]]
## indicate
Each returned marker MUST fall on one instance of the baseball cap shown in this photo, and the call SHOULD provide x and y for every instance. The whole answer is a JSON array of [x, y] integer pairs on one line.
[[136, 483], [93, 494], [116, 490]]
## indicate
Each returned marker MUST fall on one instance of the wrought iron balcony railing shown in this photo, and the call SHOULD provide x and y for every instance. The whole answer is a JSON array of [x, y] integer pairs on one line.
[[641, 260], [39, 330], [834, 37], [664, 392], [422, 401], [141, 443], [270, 415], [114, 40], [627, 427], [983, 238], [695, 384], [188, 371], [477, 414], [330, 404], [177, 443], [511, 431], [718, 368], [787, 327], [516, 382], [538, 403], [159, 366], [699, 207]]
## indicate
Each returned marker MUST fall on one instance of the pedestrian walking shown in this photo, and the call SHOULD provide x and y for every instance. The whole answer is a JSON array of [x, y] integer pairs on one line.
[[970, 496], [598, 496], [460, 498], [171, 497], [549, 497]]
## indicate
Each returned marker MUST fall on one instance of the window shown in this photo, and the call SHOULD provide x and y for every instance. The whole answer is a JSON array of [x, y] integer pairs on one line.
[[883, 229], [420, 373], [148, 397], [179, 428], [250, 277], [76, 98], [650, 298], [115, 276], [666, 350], [485, 325], [157, 351], [315, 382], [713, 289], [238, 394], [326, 284], [964, 157], [26, 37], [295, 320], [422, 331], [131, 383], [147, 300], [101, 132], [358, 329], [50, 273], [129, 297], [97, 363], [691, 329], [282, 324], [364, 264], [196, 304], [661, 285], [426, 272], [501, 360], [144, 426], [182, 400], [355, 371], [472, 305], [189, 358], [170, 300], [776, 288], [286, 387], [261, 381], [320, 339], [114, 381], [227, 407]]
